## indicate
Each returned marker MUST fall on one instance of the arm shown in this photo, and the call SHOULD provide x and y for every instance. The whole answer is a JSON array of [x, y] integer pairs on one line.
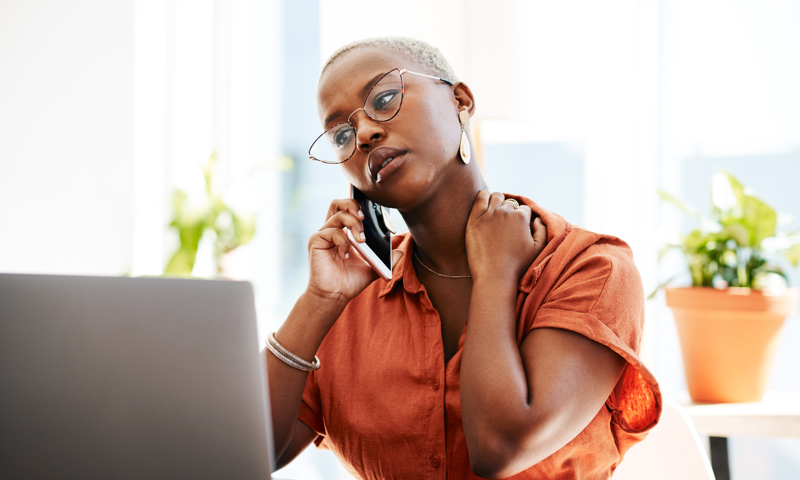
[[520, 405], [302, 437], [337, 275], [301, 334]]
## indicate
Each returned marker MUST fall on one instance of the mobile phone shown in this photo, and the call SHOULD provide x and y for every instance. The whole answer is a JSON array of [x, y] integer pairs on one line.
[[378, 230]]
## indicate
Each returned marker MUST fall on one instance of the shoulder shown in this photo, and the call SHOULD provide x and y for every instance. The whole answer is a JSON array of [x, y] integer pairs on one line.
[[594, 275], [582, 244], [609, 255], [587, 254]]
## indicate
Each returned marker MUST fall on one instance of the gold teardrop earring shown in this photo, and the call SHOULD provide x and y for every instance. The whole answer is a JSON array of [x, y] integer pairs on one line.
[[465, 150]]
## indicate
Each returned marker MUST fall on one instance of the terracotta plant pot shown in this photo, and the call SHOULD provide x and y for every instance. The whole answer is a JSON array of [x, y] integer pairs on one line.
[[729, 339]]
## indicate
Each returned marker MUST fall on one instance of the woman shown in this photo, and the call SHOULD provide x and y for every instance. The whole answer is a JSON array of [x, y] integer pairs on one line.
[[499, 347]]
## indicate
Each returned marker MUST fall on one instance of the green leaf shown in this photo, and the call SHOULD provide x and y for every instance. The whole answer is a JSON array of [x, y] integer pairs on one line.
[[793, 254], [735, 207], [760, 218], [182, 262], [738, 232], [696, 240], [244, 227], [698, 267], [682, 206]]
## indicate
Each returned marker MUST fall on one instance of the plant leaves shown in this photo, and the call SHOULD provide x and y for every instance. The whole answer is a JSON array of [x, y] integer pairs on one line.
[[734, 244]]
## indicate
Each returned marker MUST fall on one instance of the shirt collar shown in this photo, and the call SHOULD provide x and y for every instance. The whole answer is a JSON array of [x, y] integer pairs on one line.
[[404, 270]]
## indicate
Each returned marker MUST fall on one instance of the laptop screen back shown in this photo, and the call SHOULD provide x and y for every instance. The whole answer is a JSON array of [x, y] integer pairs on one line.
[[130, 378]]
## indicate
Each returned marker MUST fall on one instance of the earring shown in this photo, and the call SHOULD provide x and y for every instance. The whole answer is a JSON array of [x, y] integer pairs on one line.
[[465, 150]]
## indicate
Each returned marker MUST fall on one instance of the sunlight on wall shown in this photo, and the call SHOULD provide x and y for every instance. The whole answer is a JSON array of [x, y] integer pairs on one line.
[[66, 152]]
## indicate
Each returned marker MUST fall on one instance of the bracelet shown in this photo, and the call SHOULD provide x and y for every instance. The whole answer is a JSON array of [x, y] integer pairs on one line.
[[288, 357]]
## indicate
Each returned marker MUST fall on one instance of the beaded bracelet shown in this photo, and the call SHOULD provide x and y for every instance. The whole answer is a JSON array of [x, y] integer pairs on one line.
[[288, 357]]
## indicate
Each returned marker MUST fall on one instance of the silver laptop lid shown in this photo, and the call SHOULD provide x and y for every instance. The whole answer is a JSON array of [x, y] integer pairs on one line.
[[130, 378]]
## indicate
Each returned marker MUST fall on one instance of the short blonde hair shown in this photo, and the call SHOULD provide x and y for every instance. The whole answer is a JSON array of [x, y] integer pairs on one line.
[[418, 51]]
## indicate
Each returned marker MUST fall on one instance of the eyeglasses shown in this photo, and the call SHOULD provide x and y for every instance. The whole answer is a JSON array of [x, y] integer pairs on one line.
[[338, 143]]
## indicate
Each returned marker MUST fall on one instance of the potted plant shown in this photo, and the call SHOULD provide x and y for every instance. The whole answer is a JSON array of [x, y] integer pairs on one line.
[[730, 319]]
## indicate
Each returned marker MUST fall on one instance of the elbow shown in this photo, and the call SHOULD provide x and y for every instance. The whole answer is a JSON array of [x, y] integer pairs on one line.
[[501, 447], [501, 454], [495, 458], [485, 469]]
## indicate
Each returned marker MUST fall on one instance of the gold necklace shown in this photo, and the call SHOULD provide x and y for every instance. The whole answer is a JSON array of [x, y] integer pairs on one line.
[[437, 273]]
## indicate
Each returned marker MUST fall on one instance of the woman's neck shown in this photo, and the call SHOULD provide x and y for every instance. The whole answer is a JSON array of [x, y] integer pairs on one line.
[[439, 226]]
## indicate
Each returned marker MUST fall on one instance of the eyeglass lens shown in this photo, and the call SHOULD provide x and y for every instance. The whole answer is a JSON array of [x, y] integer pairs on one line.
[[383, 102]]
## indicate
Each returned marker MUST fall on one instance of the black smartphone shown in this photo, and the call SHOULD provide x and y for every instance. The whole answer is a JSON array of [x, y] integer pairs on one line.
[[378, 230]]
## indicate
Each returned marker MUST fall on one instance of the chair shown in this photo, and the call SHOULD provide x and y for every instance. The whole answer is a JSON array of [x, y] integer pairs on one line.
[[672, 451]]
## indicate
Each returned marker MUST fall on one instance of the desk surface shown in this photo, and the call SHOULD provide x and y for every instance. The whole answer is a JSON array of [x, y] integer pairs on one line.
[[777, 415]]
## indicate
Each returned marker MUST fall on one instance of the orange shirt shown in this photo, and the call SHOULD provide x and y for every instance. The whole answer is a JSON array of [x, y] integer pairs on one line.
[[387, 405]]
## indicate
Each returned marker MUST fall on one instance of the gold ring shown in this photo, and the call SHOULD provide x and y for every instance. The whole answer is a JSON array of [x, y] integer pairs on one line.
[[513, 202]]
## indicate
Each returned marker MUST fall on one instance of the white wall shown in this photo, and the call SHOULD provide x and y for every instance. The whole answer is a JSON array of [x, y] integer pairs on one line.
[[106, 107], [66, 144]]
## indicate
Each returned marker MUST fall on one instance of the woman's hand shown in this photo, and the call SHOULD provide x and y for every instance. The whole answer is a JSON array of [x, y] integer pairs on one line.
[[336, 271], [502, 242]]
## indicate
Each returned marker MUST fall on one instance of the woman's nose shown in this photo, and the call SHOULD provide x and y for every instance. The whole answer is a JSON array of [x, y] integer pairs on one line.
[[368, 131]]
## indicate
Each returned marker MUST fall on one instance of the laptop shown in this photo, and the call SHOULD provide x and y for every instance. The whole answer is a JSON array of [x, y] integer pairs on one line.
[[131, 378]]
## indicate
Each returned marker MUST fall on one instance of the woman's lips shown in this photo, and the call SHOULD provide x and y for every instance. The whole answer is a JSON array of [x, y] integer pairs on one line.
[[392, 166]]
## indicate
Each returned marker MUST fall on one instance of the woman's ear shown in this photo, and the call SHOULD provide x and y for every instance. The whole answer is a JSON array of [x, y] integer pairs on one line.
[[464, 97]]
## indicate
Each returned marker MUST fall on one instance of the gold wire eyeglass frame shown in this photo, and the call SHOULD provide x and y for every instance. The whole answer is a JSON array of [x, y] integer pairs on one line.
[[401, 71]]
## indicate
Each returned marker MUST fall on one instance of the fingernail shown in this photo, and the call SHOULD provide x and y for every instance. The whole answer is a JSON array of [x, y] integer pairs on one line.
[[347, 255], [361, 214], [362, 237]]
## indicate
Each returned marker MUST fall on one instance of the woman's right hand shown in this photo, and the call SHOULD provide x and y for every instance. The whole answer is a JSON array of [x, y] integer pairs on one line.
[[336, 271]]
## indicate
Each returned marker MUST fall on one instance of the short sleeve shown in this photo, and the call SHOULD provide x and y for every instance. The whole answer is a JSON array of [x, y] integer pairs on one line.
[[311, 410], [600, 295]]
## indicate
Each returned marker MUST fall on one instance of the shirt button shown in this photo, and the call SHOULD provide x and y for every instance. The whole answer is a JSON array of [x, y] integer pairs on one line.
[[435, 385], [435, 462]]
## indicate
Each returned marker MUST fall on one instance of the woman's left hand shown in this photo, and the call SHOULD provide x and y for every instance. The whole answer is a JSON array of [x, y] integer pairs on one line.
[[502, 242]]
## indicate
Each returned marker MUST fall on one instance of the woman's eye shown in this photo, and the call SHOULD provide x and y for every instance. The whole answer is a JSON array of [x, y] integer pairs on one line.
[[342, 137], [384, 99]]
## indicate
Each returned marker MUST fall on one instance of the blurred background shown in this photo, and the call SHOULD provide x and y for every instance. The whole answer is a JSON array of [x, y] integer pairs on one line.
[[107, 109]]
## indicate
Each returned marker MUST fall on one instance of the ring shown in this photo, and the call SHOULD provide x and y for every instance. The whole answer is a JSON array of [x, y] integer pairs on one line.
[[513, 202]]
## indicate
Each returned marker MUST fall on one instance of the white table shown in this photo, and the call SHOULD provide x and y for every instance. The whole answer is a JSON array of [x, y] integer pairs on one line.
[[777, 415]]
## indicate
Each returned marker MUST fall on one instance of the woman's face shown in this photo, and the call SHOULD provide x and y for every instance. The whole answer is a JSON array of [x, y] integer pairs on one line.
[[422, 139]]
